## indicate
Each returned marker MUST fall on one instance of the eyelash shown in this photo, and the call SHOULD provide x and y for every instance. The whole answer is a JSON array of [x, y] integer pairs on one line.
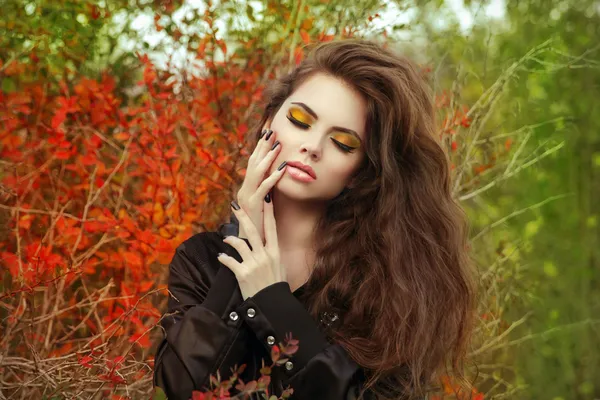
[[302, 125]]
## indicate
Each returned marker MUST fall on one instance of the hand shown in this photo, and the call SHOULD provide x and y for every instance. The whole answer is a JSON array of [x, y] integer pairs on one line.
[[261, 266], [255, 187]]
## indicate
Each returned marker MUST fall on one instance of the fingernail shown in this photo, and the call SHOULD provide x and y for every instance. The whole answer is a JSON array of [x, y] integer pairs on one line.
[[281, 166], [263, 133], [268, 198], [220, 254], [268, 135], [235, 205], [275, 145]]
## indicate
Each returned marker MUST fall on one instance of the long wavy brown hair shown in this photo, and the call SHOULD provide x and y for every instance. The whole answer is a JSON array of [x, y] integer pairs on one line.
[[391, 257]]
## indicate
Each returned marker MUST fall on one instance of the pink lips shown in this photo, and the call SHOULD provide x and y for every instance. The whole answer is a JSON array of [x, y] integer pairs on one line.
[[303, 167], [299, 174]]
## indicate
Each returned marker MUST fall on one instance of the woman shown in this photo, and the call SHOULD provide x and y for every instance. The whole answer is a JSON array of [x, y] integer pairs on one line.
[[349, 239]]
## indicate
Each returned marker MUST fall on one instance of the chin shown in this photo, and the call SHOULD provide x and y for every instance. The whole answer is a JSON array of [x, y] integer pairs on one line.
[[293, 189]]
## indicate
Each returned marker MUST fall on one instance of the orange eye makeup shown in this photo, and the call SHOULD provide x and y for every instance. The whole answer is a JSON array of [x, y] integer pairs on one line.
[[346, 141], [299, 115]]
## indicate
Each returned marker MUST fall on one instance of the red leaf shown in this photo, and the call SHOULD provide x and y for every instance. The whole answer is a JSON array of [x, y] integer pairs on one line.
[[196, 395], [62, 154], [143, 341], [85, 361], [89, 159], [144, 286], [94, 226], [223, 46], [133, 259], [305, 36], [275, 353], [58, 119], [115, 363]]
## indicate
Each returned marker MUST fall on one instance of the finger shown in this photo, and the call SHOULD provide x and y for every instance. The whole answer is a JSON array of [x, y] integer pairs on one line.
[[267, 141], [261, 168], [250, 230], [263, 146], [268, 184], [241, 246], [261, 160], [259, 149], [230, 263], [270, 227]]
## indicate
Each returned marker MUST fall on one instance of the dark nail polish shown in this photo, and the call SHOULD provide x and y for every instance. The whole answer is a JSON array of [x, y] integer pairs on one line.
[[268, 198], [269, 135], [281, 166], [263, 133], [235, 205], [275, 145]]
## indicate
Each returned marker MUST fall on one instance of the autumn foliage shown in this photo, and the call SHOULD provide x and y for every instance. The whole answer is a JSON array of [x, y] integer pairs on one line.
[[99, 194], [98, 189]]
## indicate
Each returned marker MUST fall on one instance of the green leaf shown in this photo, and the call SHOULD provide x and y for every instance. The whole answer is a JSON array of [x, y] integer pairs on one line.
[[532, 227], [550, 269], [8, 85], [250, 13], [586, 388], [159, 394]]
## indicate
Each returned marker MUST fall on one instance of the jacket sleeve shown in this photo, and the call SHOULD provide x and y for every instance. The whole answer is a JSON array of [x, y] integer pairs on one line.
[[318, 370], [199, 333]]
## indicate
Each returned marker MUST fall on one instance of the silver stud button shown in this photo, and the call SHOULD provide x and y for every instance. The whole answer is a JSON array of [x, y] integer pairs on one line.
[[270, 340], [289, 365], [251, 312], [233, 316]]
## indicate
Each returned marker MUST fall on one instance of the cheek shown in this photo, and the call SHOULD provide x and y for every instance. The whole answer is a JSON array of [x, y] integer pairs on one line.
[[285, 133], [339, 171]]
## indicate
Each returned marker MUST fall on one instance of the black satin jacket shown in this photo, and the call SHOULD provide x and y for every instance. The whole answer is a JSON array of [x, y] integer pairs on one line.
[[212, 329]]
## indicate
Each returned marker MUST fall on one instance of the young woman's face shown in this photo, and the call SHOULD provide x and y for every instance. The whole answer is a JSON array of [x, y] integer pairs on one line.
[[322, 124]]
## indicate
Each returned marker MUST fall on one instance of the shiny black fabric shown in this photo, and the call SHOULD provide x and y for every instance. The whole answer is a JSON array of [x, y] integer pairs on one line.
[[202, 339]]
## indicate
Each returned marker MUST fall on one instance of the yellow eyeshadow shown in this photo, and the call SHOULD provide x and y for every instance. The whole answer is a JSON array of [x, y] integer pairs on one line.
[[300, 116], [347, 139]]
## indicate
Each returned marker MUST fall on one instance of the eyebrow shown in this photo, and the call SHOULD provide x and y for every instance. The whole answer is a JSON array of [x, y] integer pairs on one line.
[[315, 116]]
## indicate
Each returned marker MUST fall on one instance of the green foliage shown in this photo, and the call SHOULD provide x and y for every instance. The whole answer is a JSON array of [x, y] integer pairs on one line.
[[542, 223], [62, 39]]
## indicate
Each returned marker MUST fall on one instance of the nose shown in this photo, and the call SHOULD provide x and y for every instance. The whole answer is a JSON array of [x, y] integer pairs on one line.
[[312, 148]]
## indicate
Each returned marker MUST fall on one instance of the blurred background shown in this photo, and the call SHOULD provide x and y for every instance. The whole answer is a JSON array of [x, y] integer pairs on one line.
[[123, 131]]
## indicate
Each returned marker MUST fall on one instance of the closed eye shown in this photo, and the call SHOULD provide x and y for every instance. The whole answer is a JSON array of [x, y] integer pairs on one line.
[[298, 123], [303, 125], [342, 146]]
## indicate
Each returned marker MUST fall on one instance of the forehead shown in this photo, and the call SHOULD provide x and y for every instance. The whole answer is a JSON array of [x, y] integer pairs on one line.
[[334, 101]]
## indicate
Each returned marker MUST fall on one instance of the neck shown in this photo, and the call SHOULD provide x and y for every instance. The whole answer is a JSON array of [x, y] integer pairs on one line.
[[296, 221]]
